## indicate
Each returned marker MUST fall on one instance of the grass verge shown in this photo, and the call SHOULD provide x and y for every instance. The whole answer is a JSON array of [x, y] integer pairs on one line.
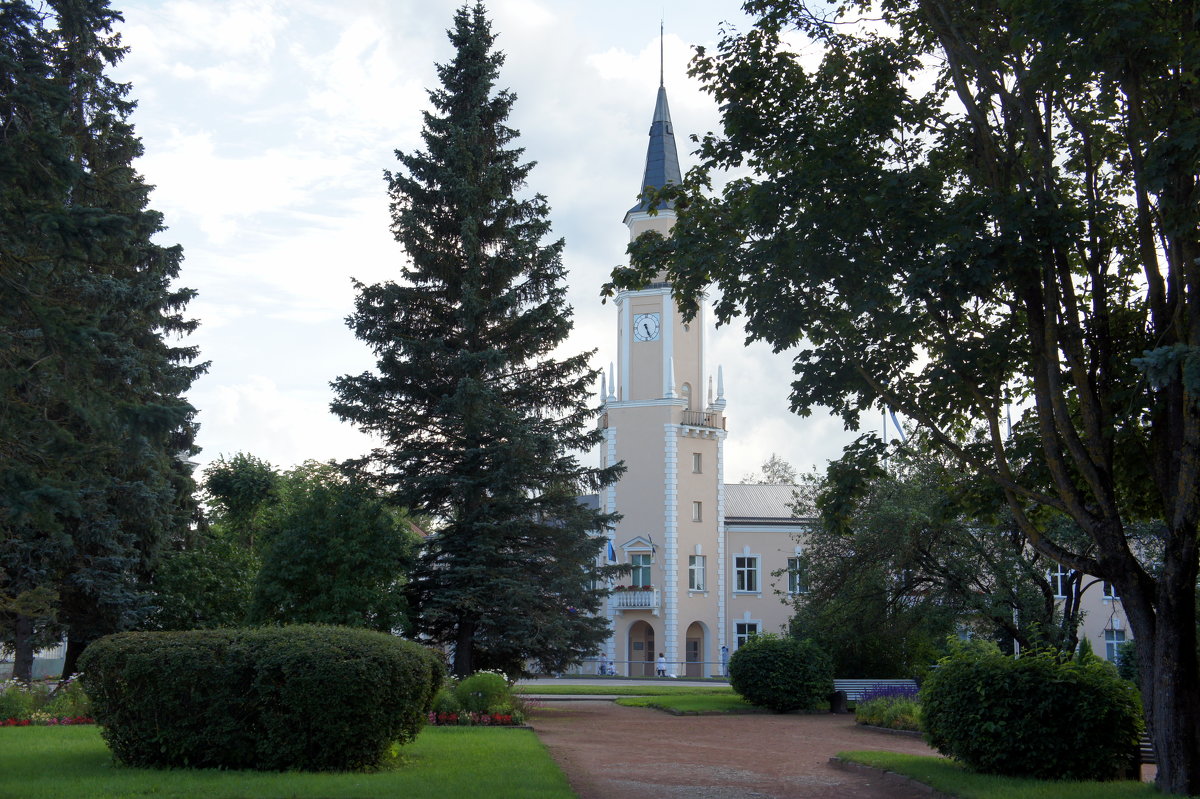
[[618, 690], [949, 777], [694, 703], [69, 762]]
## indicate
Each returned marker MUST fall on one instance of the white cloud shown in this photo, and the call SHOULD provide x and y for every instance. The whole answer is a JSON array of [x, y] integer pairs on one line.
[[267, 126]]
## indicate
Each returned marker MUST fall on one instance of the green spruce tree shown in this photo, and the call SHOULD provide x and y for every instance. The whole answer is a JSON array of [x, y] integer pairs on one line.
[[95, 422], [477, 417]]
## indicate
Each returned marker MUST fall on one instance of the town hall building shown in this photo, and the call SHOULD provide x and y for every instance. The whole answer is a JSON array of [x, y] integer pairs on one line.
[[712, 563]]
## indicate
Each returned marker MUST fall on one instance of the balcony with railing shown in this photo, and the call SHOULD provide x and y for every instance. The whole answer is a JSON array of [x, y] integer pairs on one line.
[[704, 419], [636, 598]]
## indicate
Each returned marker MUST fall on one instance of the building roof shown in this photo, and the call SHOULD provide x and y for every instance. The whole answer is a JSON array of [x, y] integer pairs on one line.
[[662, 160], [758, 503]]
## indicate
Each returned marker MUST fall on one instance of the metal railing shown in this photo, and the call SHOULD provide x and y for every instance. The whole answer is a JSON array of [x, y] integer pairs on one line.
[[682, 670]]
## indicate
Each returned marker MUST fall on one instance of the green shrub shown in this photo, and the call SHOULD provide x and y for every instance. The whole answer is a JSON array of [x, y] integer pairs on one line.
[[1127, 661], [446, 701], [484, 692], [782, 674], [69, 700], [309, 697], [17, 700], [1033, 716]]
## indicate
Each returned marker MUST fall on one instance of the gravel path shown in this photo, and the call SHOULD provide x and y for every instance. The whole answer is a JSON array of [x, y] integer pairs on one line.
[[613, 752]]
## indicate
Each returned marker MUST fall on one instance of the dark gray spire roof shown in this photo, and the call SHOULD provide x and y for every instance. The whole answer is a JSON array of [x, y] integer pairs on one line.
[[662, 161]]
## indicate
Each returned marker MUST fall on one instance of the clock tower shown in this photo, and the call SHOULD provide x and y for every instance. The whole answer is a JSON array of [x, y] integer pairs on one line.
[[662, 419]]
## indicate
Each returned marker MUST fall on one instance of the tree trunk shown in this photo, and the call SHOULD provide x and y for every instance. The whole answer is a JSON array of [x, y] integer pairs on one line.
[[464, 646], [1173, 709], [23, 658], [75, 647]]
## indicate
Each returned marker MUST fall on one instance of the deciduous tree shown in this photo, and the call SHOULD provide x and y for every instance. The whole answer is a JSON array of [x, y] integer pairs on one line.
[[968, 205]]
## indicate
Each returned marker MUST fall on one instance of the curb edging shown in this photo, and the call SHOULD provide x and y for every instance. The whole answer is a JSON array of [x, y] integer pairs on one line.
[[887, 776]]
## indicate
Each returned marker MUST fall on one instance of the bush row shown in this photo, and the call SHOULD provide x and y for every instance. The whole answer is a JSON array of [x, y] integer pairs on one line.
[[304, 697]]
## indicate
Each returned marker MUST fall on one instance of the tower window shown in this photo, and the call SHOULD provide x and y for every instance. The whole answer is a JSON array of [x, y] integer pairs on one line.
[[696, 572], [697, 462], [697, 511]]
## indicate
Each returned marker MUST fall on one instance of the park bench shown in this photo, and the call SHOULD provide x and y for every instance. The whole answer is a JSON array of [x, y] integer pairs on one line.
[[856, 688]]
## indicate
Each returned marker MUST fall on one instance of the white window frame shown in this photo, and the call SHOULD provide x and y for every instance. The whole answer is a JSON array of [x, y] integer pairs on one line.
[[696, 568], [746, 577], [795, 575], [697, 463], [641, 568], [1059, 577], [697, 511], [1110, 592], [1112, 643], [742, 632]]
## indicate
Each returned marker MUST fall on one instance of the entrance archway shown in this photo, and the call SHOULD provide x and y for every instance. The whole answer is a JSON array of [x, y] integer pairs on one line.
[[694, 650], [641, 650]]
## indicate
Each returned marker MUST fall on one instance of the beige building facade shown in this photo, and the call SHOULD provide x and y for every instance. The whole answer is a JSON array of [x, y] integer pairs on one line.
[[712, 563]]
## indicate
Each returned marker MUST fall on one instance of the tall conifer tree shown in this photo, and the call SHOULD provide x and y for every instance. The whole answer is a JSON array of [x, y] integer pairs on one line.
[[94, 421], [477, 419]]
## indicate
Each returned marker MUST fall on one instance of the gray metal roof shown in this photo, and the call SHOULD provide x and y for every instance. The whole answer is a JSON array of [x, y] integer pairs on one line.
[[758, 503], [662, 160]]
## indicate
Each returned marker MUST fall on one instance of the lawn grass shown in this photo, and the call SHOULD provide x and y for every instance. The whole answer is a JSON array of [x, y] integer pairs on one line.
[[70, 762], [694, 703], [619, 690], [949, 777]]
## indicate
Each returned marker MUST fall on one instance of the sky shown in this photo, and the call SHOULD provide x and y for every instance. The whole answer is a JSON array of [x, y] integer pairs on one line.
[[268, 125]]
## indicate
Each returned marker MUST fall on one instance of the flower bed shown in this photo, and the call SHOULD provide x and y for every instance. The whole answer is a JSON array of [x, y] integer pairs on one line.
[[43, 703], [471, 719], [893, 707], [484, 699], [46, 720]]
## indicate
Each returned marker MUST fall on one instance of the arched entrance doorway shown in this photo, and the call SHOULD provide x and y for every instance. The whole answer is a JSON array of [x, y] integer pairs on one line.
[[641, 650], [694, 650]]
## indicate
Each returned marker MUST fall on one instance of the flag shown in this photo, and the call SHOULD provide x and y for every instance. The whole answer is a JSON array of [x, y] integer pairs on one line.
[[612, 553]]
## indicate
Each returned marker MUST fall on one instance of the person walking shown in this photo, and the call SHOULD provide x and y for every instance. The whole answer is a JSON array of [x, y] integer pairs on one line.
[[662, 665]]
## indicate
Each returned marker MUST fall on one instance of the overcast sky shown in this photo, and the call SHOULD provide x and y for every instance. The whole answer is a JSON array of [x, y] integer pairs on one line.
[[267, 126]]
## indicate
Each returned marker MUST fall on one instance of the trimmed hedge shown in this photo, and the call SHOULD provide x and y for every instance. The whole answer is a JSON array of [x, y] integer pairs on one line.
[[782, 674], [1033, 716], [310, 697]]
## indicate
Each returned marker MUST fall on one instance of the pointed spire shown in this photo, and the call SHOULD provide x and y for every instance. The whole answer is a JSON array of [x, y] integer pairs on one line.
[[662, 159], [603, 387], [612, 382], [662, 35]]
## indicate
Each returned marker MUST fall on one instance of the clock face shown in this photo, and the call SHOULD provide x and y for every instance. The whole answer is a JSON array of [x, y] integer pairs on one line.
[[645, 327]]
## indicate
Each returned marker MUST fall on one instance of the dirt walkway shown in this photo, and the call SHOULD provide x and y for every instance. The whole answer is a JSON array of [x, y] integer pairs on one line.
[[613, 752]]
